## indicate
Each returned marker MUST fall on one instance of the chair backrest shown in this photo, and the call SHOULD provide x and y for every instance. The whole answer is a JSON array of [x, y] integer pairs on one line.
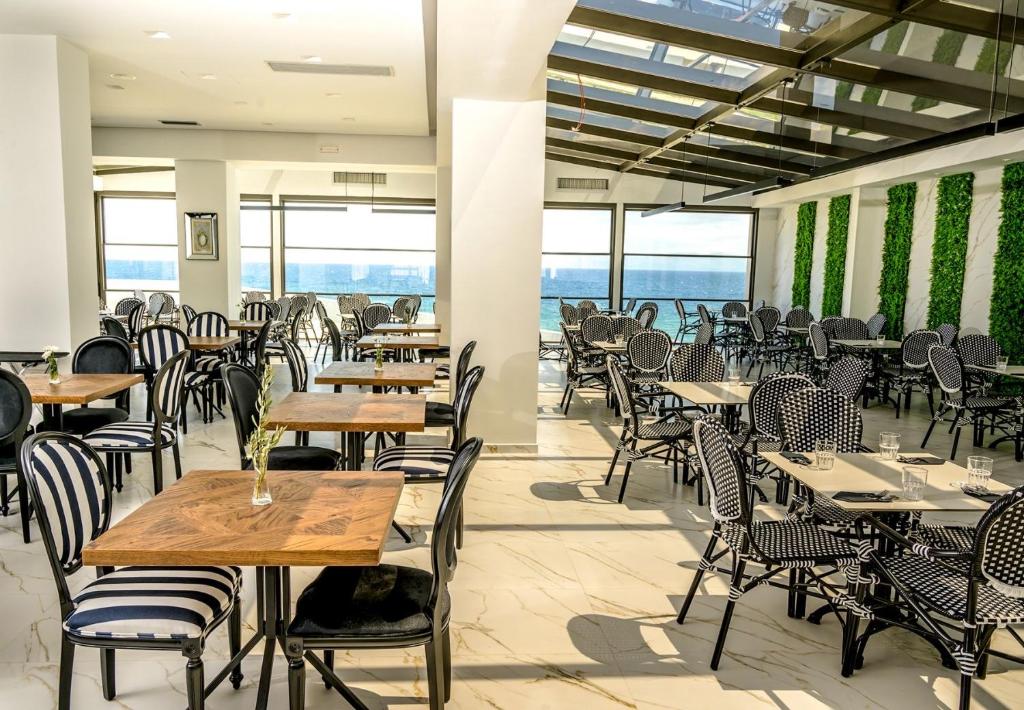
[[168, 305], [814, 413], [208, 323], [799, 318], [947, 333], [630, 304], [847, 376], [136, 319], [734, 309], [258, 310], [157, 343], [756, 327], [415, 303], [914, 349], [253, 297], [569, 313], [334, 334], [704, 314], [400, 308], [947, 368], [126, 305], [705, 334], [243, 390], [621, 389], [629, 326], [850, 329], [188, 313], [596, 328], [876, 325], [819, 341], [374, 315], [770, 317], [113, 327], [275, 310], [766, 395], [586, 309], [680, 310], [260, 348], [463, 400], [647, 314], [167, 389], [828, 324], [71, 493], [978, 349], [360, 301], [648, 351], [443, 558], [999, 545], [345, 304], [694, 362], [462, 365], [572, 355], [321, 312], [723, 470], [284, 303], [105, 354], [298, 307], [156, 304], [15, 409], [296, 364]]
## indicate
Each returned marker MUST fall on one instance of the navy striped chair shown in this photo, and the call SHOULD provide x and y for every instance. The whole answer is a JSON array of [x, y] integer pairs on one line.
[[153, 608], [126, 438], [136, 320], [156, 344], [258, 310], [187, 314]]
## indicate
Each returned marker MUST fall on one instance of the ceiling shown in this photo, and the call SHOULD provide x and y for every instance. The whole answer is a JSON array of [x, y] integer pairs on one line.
[[213, 68], [753, 94]]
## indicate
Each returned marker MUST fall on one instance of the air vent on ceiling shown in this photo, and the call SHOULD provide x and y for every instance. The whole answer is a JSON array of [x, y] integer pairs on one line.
[[168, 122], [360, 179], [342, 69], [574, 183]]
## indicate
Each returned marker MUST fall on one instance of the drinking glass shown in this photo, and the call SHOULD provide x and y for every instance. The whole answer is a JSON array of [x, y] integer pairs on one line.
[[880, 338], [979, 472], [1001, 362], [824, 454], [734, 374], [915, 478], [889, 444]]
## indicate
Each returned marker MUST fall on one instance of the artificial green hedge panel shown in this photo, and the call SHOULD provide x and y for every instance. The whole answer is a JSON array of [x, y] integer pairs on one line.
[[805, 217], [949, 249], [1006, 315], [947, 51], [835, 255], [892, 283]]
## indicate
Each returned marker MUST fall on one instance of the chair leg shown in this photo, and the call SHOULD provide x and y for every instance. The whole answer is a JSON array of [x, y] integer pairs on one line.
[[401, 531], [435, 672], [956, 440], [235, 641], [158, 471], [107, 671], [734, 585], [194, 684], [460, 528], [329, 662], [297, 682], [705, 561], [446, 643], [625, 479], [177, 460], [67, 663], [931, 426], [615, 456], [24, 507]]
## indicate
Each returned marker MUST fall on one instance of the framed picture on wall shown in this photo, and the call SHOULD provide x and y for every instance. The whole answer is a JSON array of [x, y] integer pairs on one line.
[[201, 236]]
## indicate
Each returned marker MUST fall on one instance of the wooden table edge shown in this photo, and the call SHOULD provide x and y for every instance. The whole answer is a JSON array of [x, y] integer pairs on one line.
[[91, 397]]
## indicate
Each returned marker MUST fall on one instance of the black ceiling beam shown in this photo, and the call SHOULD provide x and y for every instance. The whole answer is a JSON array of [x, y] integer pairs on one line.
[[799, 145], [649, 171], [841, 119], [947, 16], [594, 148], [604, 132], [615, 104]]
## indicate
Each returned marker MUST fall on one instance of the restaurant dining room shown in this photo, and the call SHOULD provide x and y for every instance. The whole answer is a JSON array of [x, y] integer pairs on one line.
[[611, 354]]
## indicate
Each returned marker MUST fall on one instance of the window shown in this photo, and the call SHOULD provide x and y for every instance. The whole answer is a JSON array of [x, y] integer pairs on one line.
[[383, 250], [698, 256], [254, 235], [576, 259], [140, 246]]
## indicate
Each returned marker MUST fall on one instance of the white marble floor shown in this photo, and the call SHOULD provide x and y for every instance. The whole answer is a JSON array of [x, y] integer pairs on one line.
[[563, 598]]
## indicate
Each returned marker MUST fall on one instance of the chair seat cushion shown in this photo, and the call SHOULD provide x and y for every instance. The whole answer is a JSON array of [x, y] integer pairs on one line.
[[672, 429], [945, 591], [303, 458], [196, 379], [384, 601], [128, 435], [947, 537], [791, 542], [440, 414], [208, 363], [83, 420], [417, 462], [154, 602]]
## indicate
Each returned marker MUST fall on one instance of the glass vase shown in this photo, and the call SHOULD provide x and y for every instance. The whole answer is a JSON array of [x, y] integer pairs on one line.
[[54, 376], [261, 490]]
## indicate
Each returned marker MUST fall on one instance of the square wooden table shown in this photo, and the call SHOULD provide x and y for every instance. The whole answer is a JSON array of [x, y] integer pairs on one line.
[[212, 342], [616, 347], [339, 518], [1015, 371], [728, 395], [403, 345], [871, 344], [246, 325], [349, 412], [74, 388], [394, 374], [408, 328]]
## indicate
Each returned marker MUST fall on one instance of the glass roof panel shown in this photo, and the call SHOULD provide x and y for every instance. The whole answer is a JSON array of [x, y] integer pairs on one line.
[[608, 121], [628, 89]]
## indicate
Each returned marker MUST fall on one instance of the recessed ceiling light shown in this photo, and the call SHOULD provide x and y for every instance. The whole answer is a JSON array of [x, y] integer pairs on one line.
[[311, 59], [115, 87], [267, 123], [241, 103], [157, 34], [123, 77], [281, 15], [208, 77], [348, 118], [333, 95]]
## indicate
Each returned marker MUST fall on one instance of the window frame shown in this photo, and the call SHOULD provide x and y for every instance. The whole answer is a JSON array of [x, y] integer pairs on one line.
[[101, 244], [347, 200], [269, 199], [609, 207], [752, 255]]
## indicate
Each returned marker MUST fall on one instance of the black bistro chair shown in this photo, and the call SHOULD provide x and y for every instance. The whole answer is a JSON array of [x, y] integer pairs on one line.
[[105, 354], [15, 414]]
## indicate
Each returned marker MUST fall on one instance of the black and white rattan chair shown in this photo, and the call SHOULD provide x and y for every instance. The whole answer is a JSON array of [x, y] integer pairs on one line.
[[582, 370], [734, 309], [912, 371], [126, 305], [847, 375], [646, 314], [686, 323], [569, 314], [799, 318], [132, 608], [820, 354], [704, 334], [647, 355], [876, 325], [947, 333], [977, 350]]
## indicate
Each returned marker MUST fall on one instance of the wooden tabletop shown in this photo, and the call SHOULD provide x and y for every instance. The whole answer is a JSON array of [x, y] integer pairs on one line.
[[869, 473], [398, 342], [408, 328], [212, 342], [348, 411], [76, 389], [794, 329], [619, 346], [728, 393], [246, 324], [871, 344], [206, 518], [394, 374]]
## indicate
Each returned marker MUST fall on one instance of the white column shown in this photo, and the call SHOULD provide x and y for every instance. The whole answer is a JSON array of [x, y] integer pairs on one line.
[[497, 211], [443, 221], [48, 270], [864, 252], [209, 186]]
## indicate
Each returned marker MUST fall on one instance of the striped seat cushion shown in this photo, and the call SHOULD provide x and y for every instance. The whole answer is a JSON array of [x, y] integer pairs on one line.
[[196, 379], [208, 364], [417, 462], [128, 435], [154, 602]]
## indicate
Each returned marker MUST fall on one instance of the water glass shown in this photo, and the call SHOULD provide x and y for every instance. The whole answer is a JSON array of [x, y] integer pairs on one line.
[[734, 374], [879, 338], [1001, 362], [889, 444], [915, 478], [979, 472], [824, 454]]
